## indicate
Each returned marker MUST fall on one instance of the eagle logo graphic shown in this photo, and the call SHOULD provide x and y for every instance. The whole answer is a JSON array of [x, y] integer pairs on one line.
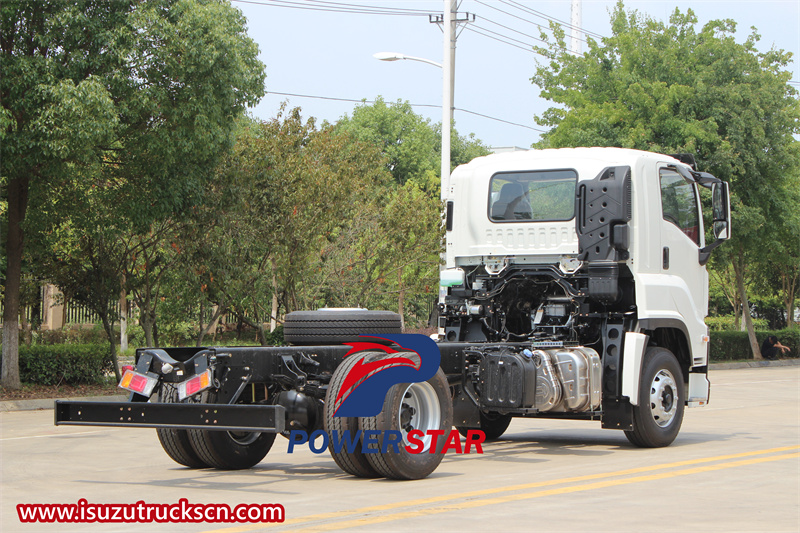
[[413, 358]]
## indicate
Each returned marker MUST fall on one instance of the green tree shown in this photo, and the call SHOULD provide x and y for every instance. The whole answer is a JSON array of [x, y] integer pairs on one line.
[[80, 252], [284, 192], [411, 144], [671, 88], [148, 259], [387, 256], [137, 96], [780, 278], [788, 256], [408, 140]]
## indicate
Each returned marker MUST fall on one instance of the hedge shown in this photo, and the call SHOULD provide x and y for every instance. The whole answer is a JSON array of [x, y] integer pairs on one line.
[[728, 323], [63, 363], [88, 363], [734, 345]]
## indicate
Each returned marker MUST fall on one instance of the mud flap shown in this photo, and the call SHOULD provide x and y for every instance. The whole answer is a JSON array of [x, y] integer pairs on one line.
[[618, 415]]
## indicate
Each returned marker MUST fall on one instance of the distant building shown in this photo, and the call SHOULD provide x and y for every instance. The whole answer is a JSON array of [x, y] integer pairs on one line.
[[503, 149]]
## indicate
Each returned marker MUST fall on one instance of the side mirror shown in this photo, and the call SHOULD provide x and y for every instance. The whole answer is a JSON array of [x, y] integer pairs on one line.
[[721, 210], [721, 214]]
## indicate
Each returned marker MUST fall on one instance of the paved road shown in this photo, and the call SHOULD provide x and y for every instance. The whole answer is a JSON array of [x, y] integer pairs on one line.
[[734, 467]]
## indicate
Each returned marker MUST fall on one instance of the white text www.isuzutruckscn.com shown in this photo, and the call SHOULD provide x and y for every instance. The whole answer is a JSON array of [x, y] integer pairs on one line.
[[141, 512]]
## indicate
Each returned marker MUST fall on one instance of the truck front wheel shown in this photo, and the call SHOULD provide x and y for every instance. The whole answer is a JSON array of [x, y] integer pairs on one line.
[[658, 417], [493, 425]]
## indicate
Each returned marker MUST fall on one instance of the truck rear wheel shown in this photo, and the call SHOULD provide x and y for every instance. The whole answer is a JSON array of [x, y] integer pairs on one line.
[[335, 326], [420, 406], [658, 417], [176, 442], [354, 463], [230, 450], [493, 425]]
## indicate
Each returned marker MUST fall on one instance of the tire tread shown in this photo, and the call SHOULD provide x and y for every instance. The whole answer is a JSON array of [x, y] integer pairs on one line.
[[355, 464], [177, 442]]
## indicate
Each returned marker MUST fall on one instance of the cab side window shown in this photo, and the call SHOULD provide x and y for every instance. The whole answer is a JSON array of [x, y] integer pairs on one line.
[[679, 203]]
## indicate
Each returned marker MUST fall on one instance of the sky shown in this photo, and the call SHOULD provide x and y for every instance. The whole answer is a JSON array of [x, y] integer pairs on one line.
[[327, 55]]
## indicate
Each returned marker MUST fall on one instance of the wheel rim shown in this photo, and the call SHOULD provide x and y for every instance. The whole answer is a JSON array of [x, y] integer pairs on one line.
[[243, 438], [420, 410], [663, 398]]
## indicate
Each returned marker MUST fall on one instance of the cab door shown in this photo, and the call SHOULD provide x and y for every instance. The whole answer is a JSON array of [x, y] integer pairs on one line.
[[681, 239]]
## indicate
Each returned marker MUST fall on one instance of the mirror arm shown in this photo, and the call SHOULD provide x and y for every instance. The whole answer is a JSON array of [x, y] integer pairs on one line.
[[705, 252], [705, 179]]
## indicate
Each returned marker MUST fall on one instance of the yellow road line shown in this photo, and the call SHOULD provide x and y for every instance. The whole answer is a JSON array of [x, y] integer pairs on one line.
[[509, 488], [360, 522]]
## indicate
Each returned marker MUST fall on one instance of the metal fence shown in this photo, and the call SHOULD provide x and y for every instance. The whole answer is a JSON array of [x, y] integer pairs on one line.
[[72, 313]]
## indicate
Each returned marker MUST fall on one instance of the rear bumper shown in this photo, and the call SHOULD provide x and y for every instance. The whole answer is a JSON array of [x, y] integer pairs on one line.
[[263, 418]]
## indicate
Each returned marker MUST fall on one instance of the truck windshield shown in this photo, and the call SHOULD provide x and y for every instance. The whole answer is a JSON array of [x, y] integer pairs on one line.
[[533, 196]]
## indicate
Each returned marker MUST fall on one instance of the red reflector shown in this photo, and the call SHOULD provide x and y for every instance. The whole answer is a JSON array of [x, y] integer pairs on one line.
[[127, 367], [138, 383], [193, 386]]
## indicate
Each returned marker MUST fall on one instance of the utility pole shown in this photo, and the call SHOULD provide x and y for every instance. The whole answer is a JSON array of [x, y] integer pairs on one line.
[[575, 22], [449, 23], [448, 86]]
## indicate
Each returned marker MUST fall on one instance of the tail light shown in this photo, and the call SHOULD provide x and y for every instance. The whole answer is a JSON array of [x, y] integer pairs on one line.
[[192, 386], [138, 383]]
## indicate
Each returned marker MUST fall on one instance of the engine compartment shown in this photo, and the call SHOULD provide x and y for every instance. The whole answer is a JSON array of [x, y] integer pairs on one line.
[[536, 334], [540, 304]]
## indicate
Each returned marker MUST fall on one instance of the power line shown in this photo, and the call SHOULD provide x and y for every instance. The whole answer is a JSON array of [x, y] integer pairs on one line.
[[338, 7], [490, 21], [500, 120], [520, 18], [362, 101], [365, 101], [416, 11], [545, 16], [507, 37], [499, 37], [527, 49]]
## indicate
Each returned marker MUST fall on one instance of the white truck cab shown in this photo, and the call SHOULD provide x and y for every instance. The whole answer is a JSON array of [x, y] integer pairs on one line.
[[597, 251]]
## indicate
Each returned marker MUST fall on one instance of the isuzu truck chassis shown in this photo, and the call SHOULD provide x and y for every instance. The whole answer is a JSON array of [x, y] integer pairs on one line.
[[574, 287]]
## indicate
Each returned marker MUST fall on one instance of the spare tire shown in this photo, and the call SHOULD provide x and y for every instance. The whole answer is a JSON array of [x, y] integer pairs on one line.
[[335, 326]]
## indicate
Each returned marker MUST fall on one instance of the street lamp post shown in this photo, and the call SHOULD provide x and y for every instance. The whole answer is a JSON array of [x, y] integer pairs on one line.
[[447, 101], [394, 56]]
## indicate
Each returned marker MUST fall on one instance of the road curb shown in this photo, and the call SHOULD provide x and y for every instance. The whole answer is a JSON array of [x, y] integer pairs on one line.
[[47, 403], [753, 364], [34, 405]]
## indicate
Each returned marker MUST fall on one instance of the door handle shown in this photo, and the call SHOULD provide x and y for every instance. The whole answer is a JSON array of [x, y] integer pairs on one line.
[[665, 258]]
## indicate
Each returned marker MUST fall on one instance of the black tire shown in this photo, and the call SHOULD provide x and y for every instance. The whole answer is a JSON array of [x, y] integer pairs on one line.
[[176, 442], [658, 417], [354, 463], [433, 402], [228, 450], [493, 425], [333, 326]]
